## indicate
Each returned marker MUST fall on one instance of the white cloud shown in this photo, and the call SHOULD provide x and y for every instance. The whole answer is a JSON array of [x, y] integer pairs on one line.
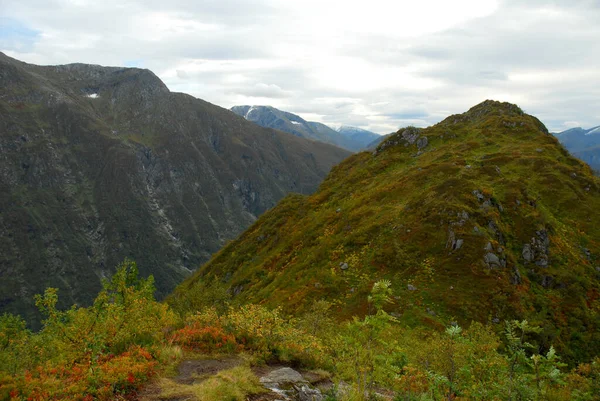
[[379, 64]]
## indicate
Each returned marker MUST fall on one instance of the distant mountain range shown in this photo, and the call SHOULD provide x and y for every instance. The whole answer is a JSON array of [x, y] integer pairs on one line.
[[351, 138], [583, 143], [102, 163]]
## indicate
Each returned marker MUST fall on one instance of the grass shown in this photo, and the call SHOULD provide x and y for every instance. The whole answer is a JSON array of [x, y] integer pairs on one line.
[[384, 214], [228, 385]]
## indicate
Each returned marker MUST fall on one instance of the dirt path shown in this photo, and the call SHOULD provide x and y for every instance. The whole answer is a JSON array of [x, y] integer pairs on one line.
[[193, 371], [189, 372]]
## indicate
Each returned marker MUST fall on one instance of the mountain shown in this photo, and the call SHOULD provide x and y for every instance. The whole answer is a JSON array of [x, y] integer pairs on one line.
[[373, 144], [360, 136], [583, 143], [270, 117], [483, 216], [102, 163]]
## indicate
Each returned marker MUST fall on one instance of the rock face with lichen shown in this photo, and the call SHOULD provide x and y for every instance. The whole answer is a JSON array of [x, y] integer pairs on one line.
[[102, 163], [474, 224]]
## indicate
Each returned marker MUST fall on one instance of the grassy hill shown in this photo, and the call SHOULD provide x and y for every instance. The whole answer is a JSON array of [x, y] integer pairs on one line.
[[483, 217]]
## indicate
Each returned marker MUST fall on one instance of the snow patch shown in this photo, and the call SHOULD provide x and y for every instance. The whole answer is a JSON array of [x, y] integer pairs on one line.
[[92, 95], [296, 122], [594, 131], [248, 112]]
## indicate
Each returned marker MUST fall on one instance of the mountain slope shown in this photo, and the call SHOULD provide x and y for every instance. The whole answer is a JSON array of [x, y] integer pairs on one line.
[[373, 144], [483, 216], [583, 143], [101, 163], [360, 136], [270, 117]]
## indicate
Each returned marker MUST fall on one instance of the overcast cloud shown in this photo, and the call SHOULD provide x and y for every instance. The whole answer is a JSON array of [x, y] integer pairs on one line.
[[379, 65]]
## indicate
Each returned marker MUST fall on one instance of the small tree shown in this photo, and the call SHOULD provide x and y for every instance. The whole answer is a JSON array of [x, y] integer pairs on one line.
[[362, 344]]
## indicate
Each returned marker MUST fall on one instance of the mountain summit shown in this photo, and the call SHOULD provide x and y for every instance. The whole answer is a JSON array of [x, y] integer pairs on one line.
[[483, 216], [102, 163]]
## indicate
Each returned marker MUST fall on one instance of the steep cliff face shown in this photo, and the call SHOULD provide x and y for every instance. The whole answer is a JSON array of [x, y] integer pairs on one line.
[[101, 163]]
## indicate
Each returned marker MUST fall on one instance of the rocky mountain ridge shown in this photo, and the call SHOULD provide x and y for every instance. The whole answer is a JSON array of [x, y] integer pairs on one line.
[[483, 216]]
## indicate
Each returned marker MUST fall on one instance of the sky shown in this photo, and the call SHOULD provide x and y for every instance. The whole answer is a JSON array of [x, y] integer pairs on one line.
[[375, 64]]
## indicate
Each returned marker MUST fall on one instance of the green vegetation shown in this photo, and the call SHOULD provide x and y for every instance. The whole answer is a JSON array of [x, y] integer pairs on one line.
[[229, 385], [462, 266], [110, 350], [487, 219]]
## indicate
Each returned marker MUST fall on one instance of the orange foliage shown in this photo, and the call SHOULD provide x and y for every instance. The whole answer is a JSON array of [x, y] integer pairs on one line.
[[109, 377], [205, 339]]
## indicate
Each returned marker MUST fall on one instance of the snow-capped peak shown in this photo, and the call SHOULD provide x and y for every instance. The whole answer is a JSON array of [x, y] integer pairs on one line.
[[595, 130]]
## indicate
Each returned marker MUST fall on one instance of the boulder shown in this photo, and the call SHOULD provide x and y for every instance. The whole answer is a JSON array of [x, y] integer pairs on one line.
[[422, 142], [290, 385], [492, 260], [283, 377]]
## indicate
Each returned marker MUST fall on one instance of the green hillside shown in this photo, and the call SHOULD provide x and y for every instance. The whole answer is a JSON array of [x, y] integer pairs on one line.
[[483, 217]]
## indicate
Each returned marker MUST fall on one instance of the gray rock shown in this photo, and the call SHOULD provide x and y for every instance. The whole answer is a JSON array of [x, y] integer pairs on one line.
[[516, 277], [458, 244], [495, 320], [338, 210], [237, 289], [492, 260], [283, 377], [479, 195], [410, 135], [527, 253], [489, 247], [430, 312], [494, 228], [422, 142], [546, 281], [344, 266], [306, 393], [411, 287], [497, 169], [537, 250]]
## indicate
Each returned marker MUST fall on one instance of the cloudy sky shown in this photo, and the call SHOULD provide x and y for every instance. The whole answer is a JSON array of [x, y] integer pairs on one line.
[[375, 64]]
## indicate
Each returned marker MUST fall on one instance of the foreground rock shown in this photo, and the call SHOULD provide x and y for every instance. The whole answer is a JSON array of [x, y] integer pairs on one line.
[[290, 385]]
